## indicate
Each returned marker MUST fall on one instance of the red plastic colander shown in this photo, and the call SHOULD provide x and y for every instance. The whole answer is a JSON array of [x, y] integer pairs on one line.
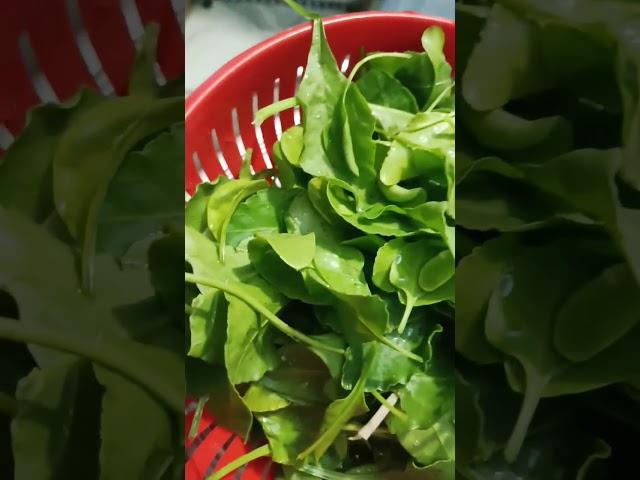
[[219, 130], [51, 48]]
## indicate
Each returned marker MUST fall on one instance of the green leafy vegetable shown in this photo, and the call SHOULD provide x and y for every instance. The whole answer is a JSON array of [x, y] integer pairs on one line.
[[90, 300], [547, 209], [317, 300]]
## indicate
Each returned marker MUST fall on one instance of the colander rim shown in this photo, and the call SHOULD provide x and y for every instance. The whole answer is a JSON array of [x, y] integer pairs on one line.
[[221, 75]]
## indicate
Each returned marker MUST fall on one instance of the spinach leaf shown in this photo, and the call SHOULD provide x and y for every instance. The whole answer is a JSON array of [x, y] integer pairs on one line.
[[380, 88], [207, 321], [80, 179], [428, 434], [319, 92], [248, 350], [142, 197], [223, 202], [261, 400], [259, 214], [121, 423]]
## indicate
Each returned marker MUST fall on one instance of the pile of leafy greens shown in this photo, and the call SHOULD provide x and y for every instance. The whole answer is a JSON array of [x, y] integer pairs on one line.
[[91, 323], [548, 236], [327, 296]]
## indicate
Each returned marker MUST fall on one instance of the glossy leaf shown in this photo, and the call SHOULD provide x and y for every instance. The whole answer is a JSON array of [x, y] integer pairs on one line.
[[222, 204], [580, 332], [429, 434], [380, 88], [260, 214], [259, 399], [319, 93]]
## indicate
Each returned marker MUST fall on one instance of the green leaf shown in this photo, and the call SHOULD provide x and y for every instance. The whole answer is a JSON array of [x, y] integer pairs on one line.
[[261, 400], [357, 131], [364, 318], [260, 214], [249, 351], [429, 434], [207, 323], [288, 431], [297, 251], [301, 378], [419, 76], [493, 195], [390, 120], [477, 276], [195, 212], [303, 218], [378, 218], [380, 88], [143, 197], [275, 271], [289, 175], [341, 267], [332, 360], [389, 368], [405, 275], [292, 144], [26, 168], [433, 44], [200, 253], [319, 92], [507, 132], [56, 318], [296, 7], [222, 204], [404, 163], [432, 131], [525, 332], [85, 161], [586, 180], [436, 271], [580, 332], [129, 414], [486, 89]]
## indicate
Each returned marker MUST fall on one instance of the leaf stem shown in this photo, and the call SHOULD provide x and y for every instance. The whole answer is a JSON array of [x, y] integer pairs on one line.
[[274, 109], [232, 289], [263, 451], [109, 355], [8, 405], [197, 415], [527, 410], [405, 316], [374, 56], [439, 98]]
